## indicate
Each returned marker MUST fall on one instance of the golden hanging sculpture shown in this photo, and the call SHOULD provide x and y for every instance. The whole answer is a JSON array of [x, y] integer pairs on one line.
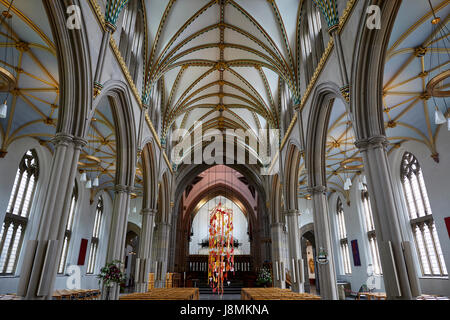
[[221, 248]]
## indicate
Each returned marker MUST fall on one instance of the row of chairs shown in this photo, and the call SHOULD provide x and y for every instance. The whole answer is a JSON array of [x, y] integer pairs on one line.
[[165, 294], [82, 294], [275, 294]]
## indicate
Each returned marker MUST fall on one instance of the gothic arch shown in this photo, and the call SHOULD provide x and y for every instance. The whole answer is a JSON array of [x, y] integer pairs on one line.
[[149, 176], [164, 201], [316, 135], [227, 192], [119, 97], [367, 72], [291, 176], [275, 200], [187, 174], [74, 65]]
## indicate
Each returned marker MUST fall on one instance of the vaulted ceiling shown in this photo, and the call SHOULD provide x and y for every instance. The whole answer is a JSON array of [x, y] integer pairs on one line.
[[28, 52], [220, 61], [415, 55]]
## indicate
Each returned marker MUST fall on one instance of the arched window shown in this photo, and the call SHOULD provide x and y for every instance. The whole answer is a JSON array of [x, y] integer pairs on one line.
[[311, 38], [16, 218], [306, 48], [342, 233], [421, 218], [95, 236], [68, 233], [132, 37], [370, 229]]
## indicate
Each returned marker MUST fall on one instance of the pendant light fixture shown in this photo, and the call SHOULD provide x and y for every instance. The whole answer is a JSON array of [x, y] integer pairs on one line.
[[348, 181], [88, 184], [364, 179], [4, 109], [439, 117], [96, 182], [348, 184], [438, 72], [361, 186], [83, 177]]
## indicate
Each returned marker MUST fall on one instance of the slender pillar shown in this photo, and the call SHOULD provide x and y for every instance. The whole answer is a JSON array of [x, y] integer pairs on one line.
[[296, 262], [341, 58], [277, 256], [116, 243], [400, 278], [112, 12], [101, 60], [143, 262], [162, 254], [40, 265], [324, 248]]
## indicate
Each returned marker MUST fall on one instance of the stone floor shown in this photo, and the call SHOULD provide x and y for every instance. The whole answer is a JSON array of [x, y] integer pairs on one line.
[[218, 297]]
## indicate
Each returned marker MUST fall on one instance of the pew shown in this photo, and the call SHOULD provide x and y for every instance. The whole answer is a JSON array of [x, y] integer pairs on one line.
[[165, 294], [82, 294], [275, 294]]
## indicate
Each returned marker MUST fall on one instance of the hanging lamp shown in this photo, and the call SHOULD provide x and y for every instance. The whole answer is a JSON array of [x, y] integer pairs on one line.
[[439, 117], [439, 74], [96, 182], [4, 109]]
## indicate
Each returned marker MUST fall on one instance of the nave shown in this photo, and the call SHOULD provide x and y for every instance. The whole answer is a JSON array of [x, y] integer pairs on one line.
[[224, 150]]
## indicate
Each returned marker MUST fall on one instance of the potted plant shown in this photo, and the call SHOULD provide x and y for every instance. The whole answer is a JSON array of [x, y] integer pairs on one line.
[[111, 274], [264, 277]]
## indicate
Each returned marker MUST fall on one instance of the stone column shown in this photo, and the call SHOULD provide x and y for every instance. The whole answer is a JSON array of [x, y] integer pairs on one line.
[[277, 261], [322, 233], [116, 243], [162, 254], [143, 262], [295, 263], [40, 264], [400, 278]]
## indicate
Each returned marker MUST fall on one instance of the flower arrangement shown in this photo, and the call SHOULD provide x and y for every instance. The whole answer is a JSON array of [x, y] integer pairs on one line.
[[111, 274], [264, 277]]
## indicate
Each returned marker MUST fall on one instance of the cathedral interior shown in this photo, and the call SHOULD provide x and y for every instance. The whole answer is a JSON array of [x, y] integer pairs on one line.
[[231, 149]]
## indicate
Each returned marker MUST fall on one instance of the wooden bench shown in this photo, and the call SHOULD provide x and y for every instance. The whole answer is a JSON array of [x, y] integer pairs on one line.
[[372, 295], [165, 294], [275, 294], [82, 294]]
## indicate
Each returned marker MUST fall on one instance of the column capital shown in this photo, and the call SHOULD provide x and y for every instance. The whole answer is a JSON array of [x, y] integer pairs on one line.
[[62, 139], [165, 224], [292, 212], [148, 211], [374, 142], [79, 142], [317, 189], [120, 188]]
